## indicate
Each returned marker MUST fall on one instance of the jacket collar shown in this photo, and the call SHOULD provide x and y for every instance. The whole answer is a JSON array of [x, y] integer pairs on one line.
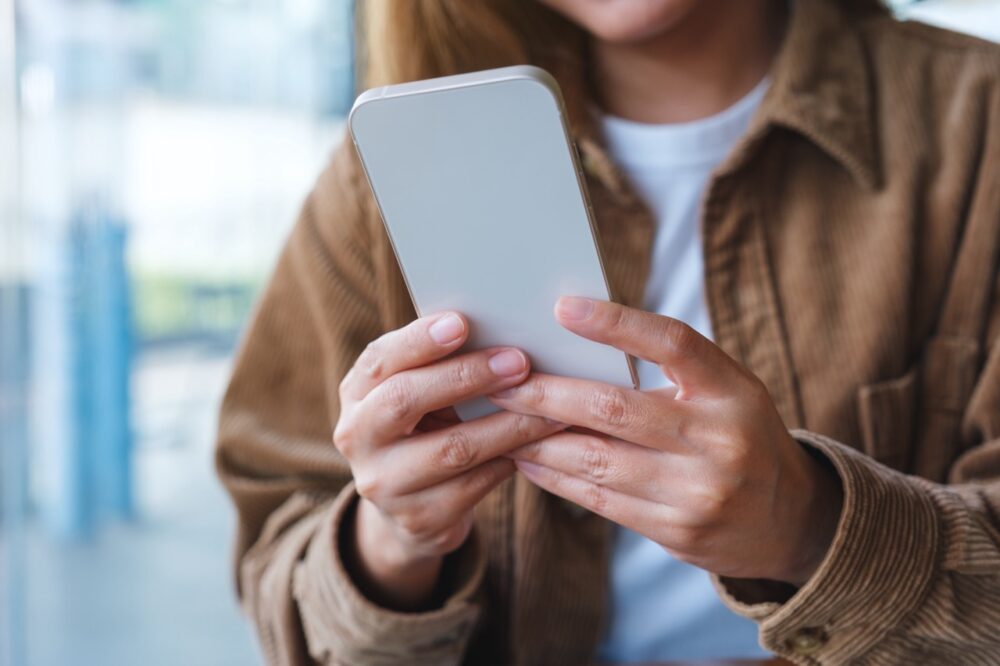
[[821, 89]]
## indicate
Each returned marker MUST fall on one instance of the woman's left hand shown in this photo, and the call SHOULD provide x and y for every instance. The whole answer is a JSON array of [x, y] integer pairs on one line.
[[707, 469]]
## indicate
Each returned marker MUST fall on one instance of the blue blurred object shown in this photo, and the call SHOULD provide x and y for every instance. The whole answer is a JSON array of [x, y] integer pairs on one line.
[[14, 356], [340, 56], [88, 316], [105, 354]]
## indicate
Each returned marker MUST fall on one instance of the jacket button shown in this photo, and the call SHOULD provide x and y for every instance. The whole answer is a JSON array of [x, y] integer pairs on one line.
[[807, 640]]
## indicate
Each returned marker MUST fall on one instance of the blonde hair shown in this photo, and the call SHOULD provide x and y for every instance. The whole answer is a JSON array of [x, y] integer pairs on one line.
[[407, 40]]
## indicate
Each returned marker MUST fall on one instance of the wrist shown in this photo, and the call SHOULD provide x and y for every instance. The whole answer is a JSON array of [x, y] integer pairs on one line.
[[384, 568], [822, 499]]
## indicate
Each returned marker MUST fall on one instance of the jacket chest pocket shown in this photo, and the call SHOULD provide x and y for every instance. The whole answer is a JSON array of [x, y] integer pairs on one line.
[[912, 422]]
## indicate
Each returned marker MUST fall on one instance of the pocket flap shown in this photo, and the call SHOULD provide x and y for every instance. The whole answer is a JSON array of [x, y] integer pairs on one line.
[[950, 369], [886, 415]]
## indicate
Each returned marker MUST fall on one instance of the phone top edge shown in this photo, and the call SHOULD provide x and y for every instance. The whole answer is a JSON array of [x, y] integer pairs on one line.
[[364, 98], [471, 79], [529, 73]]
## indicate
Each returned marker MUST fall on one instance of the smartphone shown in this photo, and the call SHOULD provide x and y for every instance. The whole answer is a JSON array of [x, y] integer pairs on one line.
[[483, 199]]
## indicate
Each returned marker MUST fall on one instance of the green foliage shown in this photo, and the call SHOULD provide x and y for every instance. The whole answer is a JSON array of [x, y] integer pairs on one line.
[[176, 306]]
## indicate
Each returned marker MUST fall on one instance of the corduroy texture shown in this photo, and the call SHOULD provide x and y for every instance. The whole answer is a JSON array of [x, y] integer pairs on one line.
[[851, 248]]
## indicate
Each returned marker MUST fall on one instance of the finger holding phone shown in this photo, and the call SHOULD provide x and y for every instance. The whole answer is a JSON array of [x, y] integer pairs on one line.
[[707, 469], [487, 214], [418, 469]]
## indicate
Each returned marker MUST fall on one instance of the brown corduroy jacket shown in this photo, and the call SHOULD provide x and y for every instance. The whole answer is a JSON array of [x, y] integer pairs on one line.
[[851, 247]]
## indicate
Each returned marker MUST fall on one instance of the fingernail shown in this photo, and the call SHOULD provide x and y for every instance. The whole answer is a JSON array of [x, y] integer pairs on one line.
[[528, 468], [508, 363], [573, 307], [447, 329]]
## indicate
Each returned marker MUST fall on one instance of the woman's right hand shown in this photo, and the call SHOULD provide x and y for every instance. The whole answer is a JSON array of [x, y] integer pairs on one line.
[[418, 470]]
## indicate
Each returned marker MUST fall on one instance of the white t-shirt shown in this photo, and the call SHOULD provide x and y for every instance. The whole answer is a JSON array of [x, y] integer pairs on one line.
[[662, 608]]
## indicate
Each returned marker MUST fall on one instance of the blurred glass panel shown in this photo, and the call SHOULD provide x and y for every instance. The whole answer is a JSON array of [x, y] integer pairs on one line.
[[162, 152], [13, 371]]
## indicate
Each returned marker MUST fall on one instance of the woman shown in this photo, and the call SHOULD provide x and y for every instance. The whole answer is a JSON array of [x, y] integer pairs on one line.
[[811, 187]]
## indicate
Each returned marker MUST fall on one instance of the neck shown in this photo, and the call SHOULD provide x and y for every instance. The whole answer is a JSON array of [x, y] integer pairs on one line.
[[695, 69]]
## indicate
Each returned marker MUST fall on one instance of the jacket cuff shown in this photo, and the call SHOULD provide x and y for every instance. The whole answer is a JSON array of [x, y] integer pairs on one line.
[[878, 569], [342, 626]]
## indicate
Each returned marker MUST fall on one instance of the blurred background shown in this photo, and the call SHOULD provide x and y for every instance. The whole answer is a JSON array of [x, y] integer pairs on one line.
[[153, 155]]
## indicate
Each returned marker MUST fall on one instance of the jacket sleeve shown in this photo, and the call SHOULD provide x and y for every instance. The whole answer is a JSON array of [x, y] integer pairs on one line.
[[291, 488], [913, 573]]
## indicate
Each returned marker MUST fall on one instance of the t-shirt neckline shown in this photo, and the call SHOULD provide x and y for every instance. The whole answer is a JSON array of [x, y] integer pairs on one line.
[[706, 140]]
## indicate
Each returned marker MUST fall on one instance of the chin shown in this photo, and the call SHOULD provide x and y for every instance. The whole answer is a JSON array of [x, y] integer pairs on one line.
[[624, 21]]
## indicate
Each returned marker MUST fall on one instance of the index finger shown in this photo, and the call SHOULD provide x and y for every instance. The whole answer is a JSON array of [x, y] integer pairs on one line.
[[640, 417], [420, 342], [684, 355]]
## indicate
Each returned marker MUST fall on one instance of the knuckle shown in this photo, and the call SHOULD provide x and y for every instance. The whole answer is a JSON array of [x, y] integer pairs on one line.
[[463, 376], [397, 400], [596, 461], [686, 429], [733, 487], [371, 362], [610, 406], [417, 523], [595, 498], [343, 437], [534, 393], [489, 475], [733, 449], [456, 451], [444, 541], [680, 337], [524, 428], [473, 482], [689, 538], [345, 384], [733, 454], [617, 317], [715, 499], [367, 485], [713, 504], [531, 451]]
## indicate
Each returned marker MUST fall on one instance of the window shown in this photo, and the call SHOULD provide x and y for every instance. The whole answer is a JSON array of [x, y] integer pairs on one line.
[[164, 148]]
